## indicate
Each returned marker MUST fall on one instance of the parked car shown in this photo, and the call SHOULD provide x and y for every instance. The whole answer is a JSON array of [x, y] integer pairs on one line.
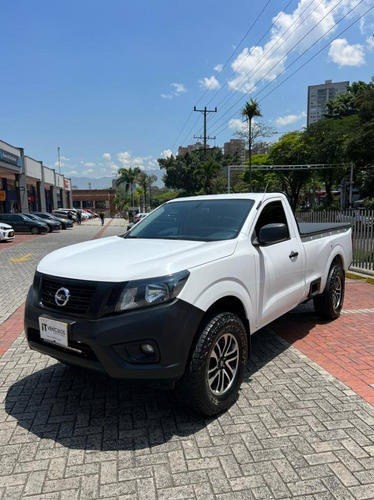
[[22, 224], [137, 218], [177, 298], [65, 223], [6, 232], [64, 214], [53, 225], [94, 214]]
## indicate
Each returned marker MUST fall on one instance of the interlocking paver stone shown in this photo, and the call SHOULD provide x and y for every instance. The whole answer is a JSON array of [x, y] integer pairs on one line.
[[296, 432]]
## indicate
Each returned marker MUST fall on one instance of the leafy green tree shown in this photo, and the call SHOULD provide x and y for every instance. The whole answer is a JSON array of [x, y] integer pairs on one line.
[[127, 177], [250, 110], [291, 149], [191, 174], [347, 104], [145, 181], [328, 140]]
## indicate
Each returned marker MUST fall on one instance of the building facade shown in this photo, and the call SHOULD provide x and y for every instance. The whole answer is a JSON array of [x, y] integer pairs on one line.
[[236, 146], [191, 147], [319, 95], [98, 200], [27, 185]]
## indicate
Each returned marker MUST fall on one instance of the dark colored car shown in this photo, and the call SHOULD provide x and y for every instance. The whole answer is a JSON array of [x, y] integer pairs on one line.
[[64, 214], [65, 223], [53, 225], [22, 224]]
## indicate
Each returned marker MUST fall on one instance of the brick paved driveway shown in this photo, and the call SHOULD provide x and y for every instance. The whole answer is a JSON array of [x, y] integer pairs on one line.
[[297, 431]]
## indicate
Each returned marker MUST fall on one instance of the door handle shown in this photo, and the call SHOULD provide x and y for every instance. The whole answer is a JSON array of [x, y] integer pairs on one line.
[[293, 255]]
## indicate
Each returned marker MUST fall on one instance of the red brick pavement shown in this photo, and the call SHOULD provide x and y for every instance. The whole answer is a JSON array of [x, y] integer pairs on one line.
[[344, 347], [20, 238]]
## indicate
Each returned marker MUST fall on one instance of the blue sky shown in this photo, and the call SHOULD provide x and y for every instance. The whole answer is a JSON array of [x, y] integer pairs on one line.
[[113, 83]]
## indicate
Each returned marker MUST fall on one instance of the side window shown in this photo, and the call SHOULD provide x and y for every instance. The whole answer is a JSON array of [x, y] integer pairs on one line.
[[272, 213], [17, 218]]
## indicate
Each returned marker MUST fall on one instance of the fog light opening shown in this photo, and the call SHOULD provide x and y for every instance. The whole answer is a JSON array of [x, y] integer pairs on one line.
[[147, 349]]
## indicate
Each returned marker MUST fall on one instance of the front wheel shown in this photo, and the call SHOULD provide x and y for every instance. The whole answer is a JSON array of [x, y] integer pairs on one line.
[[328, 304], [216, 369], [35, 230]]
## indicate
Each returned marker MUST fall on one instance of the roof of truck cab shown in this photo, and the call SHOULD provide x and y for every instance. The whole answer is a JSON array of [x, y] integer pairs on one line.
[[228, 196]]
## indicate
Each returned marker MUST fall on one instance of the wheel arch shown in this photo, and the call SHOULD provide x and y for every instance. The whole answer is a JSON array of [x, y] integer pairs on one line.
[[229, 303]]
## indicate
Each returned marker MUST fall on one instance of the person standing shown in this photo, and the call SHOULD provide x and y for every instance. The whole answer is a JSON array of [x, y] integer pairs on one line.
[[79, 216], [102, 218]]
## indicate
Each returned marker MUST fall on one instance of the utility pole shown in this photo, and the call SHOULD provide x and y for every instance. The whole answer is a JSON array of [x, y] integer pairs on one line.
[[205, 138]]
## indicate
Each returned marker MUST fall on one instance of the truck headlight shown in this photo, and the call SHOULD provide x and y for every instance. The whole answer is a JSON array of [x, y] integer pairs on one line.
[[143, 293]]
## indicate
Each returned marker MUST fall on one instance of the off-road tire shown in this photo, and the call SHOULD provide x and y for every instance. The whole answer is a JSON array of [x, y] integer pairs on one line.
[[222, 334], [328, 304]]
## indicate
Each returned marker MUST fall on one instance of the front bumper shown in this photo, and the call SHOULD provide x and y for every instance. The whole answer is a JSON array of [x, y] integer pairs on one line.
[[107, 344], [6, 235]]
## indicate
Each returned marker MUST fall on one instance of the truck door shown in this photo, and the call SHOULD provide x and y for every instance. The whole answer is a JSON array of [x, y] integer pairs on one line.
[[280, 267]]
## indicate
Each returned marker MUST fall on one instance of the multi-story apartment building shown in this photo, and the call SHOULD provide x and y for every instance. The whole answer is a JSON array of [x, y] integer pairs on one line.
[[192, 147], [318, 95], [236, 146]]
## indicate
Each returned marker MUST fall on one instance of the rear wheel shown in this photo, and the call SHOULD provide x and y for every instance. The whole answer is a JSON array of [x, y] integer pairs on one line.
[[328, 304], [215, 373], [35, 230]]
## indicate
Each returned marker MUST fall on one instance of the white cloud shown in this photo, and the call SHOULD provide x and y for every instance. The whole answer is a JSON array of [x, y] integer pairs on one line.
[[238, 125], [124, 159], [210, 83], [291, 33], [346, 55], [370, 42], [137, 161], [179, 88], [107, 156], [63, 158], [89, 164], [72, 172], [90, 171], [218, 68], [287, 120], [166, 153]]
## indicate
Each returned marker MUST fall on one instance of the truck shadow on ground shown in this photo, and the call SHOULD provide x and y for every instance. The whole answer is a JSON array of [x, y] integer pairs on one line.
[[83, 410]]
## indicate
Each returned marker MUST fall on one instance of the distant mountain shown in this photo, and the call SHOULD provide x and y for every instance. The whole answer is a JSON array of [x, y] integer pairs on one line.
[[106, 182]]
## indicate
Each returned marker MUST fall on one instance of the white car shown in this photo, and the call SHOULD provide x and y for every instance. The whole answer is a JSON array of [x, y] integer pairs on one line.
[[6, 232]]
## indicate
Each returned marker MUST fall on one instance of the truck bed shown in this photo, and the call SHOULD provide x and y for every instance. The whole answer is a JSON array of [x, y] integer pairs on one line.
[[313, 230]]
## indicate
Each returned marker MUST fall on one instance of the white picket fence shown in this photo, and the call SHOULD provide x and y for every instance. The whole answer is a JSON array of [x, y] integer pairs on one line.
[[362, 222]]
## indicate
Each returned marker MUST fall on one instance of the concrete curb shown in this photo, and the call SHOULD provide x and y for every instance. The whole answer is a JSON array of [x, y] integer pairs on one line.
[[360, 276]]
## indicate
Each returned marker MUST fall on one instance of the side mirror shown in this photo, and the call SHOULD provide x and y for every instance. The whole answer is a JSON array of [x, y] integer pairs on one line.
[[272, 233]]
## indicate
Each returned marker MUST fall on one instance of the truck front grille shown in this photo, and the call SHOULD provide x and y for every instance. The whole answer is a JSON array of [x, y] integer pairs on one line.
[[81, 295]]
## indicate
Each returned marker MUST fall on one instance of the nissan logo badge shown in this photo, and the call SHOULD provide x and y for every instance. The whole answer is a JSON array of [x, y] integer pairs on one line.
[[62, 297]]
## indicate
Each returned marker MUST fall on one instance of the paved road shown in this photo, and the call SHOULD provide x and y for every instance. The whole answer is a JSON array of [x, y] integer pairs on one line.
[[296, 432]]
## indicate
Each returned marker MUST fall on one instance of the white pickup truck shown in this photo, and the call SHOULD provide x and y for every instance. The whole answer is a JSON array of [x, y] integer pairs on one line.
[[176, 298]]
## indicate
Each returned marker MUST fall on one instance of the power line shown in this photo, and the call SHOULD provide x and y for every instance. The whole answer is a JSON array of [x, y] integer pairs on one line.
[[343, 31], [287, 53], [223, 67], [263, 57]]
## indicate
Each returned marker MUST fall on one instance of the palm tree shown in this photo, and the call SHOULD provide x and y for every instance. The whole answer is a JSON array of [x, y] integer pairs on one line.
[[127, 176], [250, 110]]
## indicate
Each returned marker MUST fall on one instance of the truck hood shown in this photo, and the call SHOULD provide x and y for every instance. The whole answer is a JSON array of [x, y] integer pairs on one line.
[[116, 259]]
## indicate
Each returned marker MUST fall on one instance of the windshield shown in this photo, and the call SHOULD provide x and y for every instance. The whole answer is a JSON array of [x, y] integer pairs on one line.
[[201, 220]]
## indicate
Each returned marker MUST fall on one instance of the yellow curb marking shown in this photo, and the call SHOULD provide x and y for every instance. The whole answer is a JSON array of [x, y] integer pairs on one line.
[[22, 259]]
